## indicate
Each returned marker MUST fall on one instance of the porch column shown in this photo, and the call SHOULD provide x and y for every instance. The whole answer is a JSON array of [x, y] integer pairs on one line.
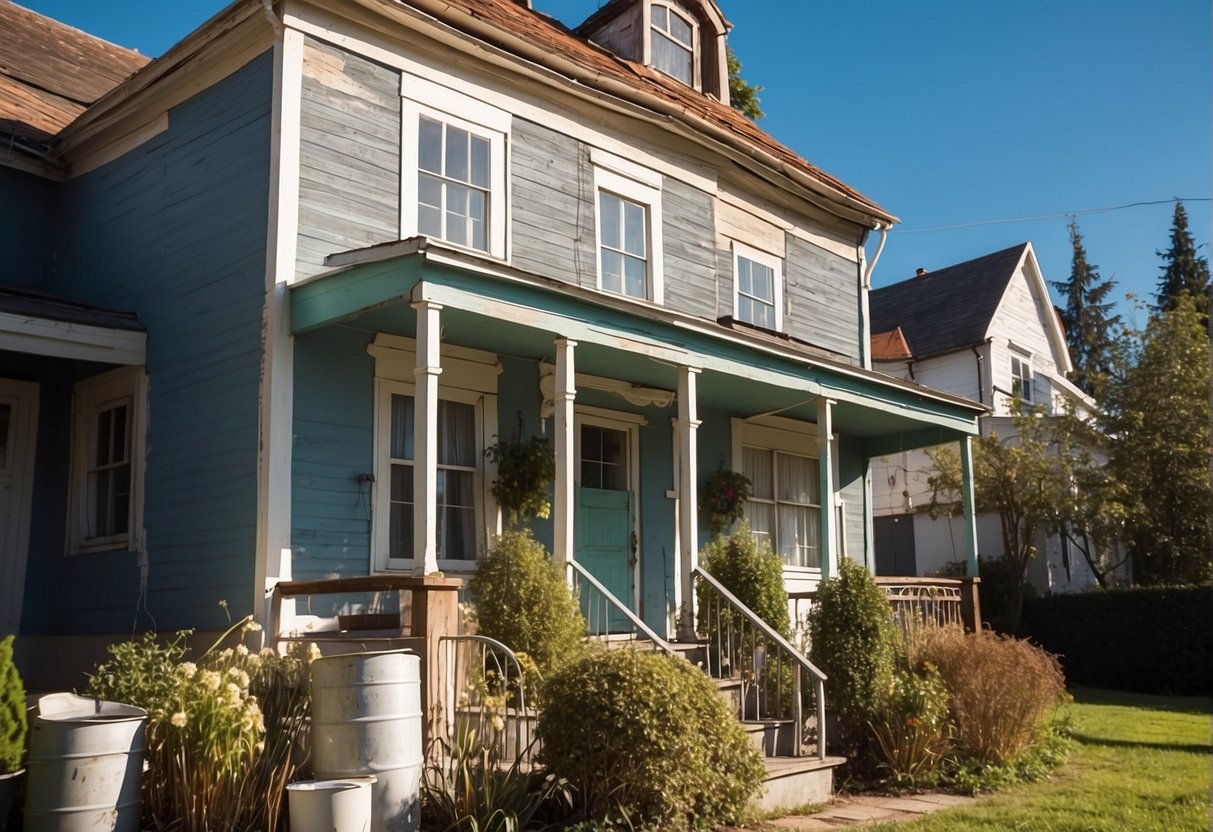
[[688, 501], [425, 439], [970, 514], [825, 473], [565, 498]]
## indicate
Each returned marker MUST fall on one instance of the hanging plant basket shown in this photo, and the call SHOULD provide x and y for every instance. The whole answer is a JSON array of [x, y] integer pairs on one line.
[[525, 471], [724, 497]]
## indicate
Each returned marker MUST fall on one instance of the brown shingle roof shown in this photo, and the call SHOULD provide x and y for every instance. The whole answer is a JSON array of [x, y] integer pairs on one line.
[[50, 72]]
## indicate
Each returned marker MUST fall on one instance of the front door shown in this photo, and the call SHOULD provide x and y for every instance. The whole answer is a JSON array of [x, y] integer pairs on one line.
[[604, 521], [18, 423]]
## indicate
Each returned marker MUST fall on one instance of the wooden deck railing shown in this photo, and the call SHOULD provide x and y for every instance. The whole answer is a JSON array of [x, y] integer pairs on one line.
[[915, 600]]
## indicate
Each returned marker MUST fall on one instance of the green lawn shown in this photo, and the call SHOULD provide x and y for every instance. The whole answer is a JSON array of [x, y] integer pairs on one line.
[[1139, 763]]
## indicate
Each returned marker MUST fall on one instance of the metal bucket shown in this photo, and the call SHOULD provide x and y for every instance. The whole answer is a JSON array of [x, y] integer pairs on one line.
[[331, 805], [366, 720], [85, 765]]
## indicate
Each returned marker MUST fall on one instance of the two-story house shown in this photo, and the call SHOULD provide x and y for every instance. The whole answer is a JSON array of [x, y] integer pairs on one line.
[[295, 275], [985, 329]]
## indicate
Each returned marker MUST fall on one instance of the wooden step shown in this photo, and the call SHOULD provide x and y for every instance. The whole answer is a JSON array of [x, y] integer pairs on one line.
[[795, 781], [772, 737]]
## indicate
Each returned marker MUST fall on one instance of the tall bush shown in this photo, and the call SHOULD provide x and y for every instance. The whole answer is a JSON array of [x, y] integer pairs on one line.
[[1000, 689], [13, 726], [854, 641], [521, 599], [648, 737], [752, 571]]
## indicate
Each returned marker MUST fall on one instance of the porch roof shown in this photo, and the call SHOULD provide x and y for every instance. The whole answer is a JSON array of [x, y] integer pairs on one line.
[[41, 324], [490, 306]]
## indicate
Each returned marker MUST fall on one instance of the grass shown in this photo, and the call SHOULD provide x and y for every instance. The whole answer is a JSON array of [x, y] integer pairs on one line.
[[1138, 763]]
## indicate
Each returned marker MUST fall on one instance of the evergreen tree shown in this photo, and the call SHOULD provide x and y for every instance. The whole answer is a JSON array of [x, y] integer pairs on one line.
[[1161, 442], [743, 96], [1088, 325], [1182, 271]]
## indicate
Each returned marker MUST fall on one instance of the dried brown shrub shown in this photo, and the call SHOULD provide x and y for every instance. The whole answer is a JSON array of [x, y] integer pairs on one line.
[[1000, 689]]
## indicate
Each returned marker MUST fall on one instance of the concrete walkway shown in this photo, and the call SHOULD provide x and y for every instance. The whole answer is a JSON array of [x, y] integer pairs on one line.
[[860, 810]]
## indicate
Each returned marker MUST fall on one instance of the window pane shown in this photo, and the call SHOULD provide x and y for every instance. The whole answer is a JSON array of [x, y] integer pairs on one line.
[[612, 271], [429, 145], [762, 521], [635, 277], [105, 427], [634, 229], [456, 515], [680, 29], [456, 153], [762, 285], [763, 316], [400, 512], [744, 284], [402, 427], [480, 162], [477, 216], [429, 205], [657, 14], [798, 479], [798, 535], [672, 58], [457, 434], [456, 214], [119, 439], [121, 505], [609, 209], [758, 465]]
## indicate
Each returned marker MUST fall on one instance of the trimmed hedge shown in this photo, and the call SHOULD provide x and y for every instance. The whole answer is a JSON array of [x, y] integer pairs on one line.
[[1146, 640]]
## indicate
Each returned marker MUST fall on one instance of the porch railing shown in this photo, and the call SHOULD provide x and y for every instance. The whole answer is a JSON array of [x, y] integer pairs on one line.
[[770, 672], [487, 691], [607, 617]]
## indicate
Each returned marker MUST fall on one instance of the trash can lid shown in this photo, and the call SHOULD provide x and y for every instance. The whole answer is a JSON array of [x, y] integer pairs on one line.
[[69, 706]]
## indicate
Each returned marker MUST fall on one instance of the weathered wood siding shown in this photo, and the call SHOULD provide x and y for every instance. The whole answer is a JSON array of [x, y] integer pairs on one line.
[[175, 229], [552, 223], [349, 154], [821, 298], [1022, 320], [692, 264]]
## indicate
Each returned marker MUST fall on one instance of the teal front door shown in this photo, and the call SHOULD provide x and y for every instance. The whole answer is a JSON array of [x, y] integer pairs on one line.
[[604, 524]]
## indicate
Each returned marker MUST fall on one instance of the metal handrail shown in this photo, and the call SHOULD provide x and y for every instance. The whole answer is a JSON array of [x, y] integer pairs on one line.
[[581, 573], [507, 663], [800, 662]]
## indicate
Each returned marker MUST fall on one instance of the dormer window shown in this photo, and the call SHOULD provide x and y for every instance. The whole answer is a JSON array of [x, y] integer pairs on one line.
[[673, 43]]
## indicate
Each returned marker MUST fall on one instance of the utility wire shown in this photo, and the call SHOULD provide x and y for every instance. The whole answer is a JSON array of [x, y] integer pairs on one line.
[[1062, 215]]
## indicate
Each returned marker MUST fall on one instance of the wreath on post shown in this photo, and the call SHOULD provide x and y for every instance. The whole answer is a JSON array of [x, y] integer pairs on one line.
[[724, 497], [525, 470]]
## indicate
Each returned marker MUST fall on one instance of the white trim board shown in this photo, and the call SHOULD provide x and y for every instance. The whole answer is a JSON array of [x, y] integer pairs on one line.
[[82, 342]]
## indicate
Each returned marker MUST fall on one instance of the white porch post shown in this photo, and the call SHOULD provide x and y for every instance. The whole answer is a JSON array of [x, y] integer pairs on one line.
[[564, 502], [688, 501], [825, 466], [425, 439], [970, 515]]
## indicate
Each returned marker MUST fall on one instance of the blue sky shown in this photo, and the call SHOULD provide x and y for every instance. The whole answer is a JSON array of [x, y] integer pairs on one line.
[[946, 113]]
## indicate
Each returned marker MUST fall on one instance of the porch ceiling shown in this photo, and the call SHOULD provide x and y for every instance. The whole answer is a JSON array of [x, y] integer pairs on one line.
[[521, 316]]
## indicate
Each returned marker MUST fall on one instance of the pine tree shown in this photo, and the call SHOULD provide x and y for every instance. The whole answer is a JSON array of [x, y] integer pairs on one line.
[[1182, 271], [1088, 325]]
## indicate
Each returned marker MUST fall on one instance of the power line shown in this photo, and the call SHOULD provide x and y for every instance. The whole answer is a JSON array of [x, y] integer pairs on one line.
[[1062, 215]]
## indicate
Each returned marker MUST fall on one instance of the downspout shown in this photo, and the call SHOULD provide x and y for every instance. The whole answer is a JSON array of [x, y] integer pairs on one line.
[[865, 315], [267, 6], [981, 385]]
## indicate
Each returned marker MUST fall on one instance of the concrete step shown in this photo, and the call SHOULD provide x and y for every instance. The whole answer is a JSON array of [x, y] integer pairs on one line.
[[772, 737], [795, 781]]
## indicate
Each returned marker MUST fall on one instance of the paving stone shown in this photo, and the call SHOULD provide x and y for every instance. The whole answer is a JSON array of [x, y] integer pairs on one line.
[[804, 823], [945, 799], [906, 804], [857, 811]]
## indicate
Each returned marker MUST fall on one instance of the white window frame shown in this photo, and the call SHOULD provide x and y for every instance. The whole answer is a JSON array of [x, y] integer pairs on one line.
[[1026, 392], [91, 396], [642, 186], [421, 97], [762, 258], [468, 377], [696, 75], [779, 434]]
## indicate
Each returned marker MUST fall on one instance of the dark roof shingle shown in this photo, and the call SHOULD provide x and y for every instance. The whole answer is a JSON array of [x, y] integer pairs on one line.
[[947, 309]]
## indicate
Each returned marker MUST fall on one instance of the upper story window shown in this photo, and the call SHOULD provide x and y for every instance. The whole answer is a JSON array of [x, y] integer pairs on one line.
[[453, 180], [107, 460], [673, 43], [758, 288], [1021, 379], [629, 230]]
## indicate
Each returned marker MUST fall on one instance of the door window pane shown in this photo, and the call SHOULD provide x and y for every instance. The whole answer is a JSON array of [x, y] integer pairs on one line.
[[604, 457]]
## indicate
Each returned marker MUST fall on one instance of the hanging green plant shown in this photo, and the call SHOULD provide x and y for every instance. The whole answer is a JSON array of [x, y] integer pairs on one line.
[[724, 497], [525, 470]]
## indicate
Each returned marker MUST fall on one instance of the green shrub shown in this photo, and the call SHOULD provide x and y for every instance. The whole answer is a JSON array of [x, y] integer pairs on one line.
[[521, 599], [647, 737], [13, 726], [911, 727], [1000, 689], [1162, 641], [750, 570], [854, 641]]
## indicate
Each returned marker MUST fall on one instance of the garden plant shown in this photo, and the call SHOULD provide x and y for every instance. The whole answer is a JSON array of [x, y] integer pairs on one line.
[[13, 725]]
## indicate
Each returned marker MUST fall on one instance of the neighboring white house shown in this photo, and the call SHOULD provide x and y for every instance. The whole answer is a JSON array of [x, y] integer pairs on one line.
[[987, 330]]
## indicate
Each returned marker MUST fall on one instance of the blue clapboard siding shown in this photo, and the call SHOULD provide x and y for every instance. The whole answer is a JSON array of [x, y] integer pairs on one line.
[[26, 226], [821, 298], [349, 154], [176, 230], [333, 444]]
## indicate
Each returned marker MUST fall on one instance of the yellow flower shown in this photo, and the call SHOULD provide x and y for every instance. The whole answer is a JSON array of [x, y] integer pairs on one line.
[[179, 719]]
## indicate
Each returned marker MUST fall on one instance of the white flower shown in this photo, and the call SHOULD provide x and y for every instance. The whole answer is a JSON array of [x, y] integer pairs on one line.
[[211, 679], [268, 653], [241, 650], [187, 669], [498, 723], [252, 627], [234, 694], [179, 719], [313, 652]]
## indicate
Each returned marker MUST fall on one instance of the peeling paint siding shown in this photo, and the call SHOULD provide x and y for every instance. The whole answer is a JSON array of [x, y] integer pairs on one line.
[[821, 298]]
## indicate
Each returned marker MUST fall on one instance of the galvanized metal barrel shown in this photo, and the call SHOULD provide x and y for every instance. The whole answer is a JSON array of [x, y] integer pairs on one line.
[[366, 720], [85, 765]]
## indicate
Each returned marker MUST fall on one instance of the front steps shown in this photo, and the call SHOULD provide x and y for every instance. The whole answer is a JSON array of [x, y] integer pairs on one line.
[[795, 781]]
